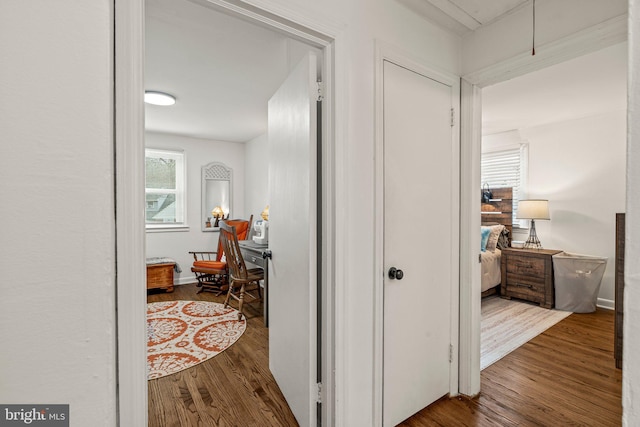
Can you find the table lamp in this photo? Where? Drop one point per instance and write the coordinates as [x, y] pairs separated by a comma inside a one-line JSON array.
[[533, 209], [217, 213]]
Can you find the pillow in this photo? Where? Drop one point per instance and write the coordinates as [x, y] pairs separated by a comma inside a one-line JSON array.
[[484, 237], [503, 239], [494, 234]]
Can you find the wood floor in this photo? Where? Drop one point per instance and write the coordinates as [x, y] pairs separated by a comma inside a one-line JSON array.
[[563, 377], [234, 388]]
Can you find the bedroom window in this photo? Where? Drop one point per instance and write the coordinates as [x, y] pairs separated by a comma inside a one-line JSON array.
[[164, 188], [507, 167]]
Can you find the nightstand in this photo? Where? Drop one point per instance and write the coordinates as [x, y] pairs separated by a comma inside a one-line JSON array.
[[528, 274]]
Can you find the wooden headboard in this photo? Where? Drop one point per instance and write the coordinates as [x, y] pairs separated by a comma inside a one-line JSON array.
[[499, 209]]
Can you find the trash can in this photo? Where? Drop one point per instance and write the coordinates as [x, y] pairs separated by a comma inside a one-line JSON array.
[[577, 281]]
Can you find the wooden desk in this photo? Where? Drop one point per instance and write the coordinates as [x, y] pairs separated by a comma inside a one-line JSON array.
[[258, 255]]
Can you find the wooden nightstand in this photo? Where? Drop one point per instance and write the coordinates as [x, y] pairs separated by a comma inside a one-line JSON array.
[[528, 274]]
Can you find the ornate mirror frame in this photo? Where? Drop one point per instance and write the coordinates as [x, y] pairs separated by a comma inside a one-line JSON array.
[[216, 191]]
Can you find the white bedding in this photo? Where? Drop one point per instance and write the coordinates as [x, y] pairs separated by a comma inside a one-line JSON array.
[[490, 265]]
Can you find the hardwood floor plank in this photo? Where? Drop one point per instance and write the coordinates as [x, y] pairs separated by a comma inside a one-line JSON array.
[[234, 388], [564, 377]]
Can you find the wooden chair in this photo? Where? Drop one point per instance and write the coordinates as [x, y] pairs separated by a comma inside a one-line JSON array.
[[243, 283], [210, 268]]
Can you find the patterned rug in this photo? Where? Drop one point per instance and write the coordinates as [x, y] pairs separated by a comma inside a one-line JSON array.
[[181, 334], [508, 324]]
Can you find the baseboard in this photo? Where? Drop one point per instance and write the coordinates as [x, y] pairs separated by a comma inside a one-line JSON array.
[[606, 304], [185, 280]]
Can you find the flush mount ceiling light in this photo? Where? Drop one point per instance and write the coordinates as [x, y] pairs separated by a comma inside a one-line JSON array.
[[158, 98]]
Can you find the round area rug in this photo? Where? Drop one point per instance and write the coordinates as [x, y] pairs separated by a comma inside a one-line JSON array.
[[181, 334]]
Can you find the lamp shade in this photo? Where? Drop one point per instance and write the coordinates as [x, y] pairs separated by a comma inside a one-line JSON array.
[[533, 209], [217, 212]]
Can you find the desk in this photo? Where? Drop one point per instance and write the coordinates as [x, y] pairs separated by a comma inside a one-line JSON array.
[[258, 255]]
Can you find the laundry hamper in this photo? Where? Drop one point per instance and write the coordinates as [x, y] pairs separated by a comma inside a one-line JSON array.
[[577, 281]]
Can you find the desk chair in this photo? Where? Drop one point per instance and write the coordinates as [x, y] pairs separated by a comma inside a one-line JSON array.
[[211, 268], [243, 283]]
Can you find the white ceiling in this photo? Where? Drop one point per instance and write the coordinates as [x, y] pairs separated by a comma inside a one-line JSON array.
[[463, 16], [475, 13], [222, 71], [582, 87]]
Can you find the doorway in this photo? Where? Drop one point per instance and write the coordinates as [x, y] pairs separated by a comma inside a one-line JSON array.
[[471, 142], [557, 119], [129, 42]]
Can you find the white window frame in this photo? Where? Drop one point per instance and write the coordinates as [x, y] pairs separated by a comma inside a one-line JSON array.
[[180, 191], [521, 192]]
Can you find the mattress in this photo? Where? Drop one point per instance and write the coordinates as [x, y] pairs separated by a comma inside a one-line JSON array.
[[490, 266]]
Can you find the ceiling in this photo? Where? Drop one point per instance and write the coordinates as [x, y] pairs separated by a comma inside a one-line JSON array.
[[463, 16], [582, 87], [223, 71], [475, 13]]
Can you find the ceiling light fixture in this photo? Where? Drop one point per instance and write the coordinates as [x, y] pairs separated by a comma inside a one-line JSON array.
[[158, 98]]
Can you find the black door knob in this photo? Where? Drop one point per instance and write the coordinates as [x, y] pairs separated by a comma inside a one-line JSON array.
[[395, 273]]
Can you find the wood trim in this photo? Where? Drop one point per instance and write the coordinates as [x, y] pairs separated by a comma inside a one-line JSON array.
[[619, 289], [129, 86], [388, 52], [470, 272], [130, 221], [589, 40]]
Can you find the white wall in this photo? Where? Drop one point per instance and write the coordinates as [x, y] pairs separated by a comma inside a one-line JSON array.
[[579, 166], [256, 192], [57, 310], [631, 346], [198, 152], [56, 111]]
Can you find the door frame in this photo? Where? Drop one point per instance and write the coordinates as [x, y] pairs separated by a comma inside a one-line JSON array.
[[387, 52], [131, 301], [589, 40]]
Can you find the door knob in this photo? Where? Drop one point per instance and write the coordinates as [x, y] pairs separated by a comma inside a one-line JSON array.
[[395, 273]]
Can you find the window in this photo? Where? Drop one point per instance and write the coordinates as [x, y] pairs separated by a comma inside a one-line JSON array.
[[507, 168], [164, 188]]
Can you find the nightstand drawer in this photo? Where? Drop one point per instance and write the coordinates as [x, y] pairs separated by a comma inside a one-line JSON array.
[[526, 281], [526, 266], [526, 291]]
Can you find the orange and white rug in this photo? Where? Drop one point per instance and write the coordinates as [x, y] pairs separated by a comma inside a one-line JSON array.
[[181, 334]]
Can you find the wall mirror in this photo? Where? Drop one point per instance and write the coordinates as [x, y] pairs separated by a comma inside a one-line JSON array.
[[216, 195]]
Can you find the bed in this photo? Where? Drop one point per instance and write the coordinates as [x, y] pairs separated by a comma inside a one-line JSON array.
[[496, 231]]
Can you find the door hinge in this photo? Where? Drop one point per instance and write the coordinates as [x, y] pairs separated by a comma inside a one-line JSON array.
[[450, 353], [319, 392], [320, 91], [453, 117]]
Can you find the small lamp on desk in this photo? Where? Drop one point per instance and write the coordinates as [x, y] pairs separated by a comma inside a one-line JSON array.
[[533, 209]]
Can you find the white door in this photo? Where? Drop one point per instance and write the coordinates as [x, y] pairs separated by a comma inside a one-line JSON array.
[[292, 239], [420, 213]]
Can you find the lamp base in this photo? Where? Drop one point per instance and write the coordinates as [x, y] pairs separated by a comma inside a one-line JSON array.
[[533, 242]]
